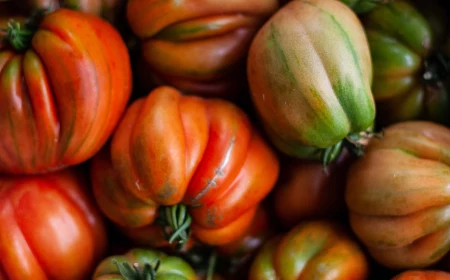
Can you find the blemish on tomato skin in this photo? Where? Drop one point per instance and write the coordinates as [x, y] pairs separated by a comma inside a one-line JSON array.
[[218, 172], [213, 217], [166, 192]]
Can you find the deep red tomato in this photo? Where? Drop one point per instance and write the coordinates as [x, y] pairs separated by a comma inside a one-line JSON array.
[[423, 275], [305, 191], [62, 96], [50, 228], [201, 154]]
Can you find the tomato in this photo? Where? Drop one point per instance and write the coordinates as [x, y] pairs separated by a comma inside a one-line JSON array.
[[398, 195], [198, 47], [51, 228], [167, 267], [109, 9], [305, 191], [61, 98], [310, 73], [261, 229], [311, 250], [194, 156], [422, 275], [408, 74]]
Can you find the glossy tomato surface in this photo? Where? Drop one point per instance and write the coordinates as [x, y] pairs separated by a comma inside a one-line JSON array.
[[61, 98], [51, 228]]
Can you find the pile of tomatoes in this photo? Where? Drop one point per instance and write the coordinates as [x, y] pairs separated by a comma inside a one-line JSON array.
[[237, 139]]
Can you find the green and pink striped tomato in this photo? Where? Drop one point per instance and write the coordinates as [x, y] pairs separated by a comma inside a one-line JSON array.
[[310, 73]]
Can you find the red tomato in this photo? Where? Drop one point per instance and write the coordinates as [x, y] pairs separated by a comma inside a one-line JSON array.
[[50, 228], [62, 96], [305, 191], [171, 149], [422, 275]]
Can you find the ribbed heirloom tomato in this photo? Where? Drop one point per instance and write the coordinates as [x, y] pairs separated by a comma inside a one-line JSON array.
[[398, 195], [311, 250], [144, 264], [197, 157], [409, 71], [198, 46], [305, 191], [62, 91], [310, 73], [50, 228]]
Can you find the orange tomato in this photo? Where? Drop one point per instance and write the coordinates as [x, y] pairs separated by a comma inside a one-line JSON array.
[[171, 149]]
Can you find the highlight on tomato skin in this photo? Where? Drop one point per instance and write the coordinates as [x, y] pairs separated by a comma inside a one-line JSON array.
[[51, 227], [64, 85], [175, 155]]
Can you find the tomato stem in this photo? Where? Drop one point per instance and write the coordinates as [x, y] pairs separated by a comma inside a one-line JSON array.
[[437, 68], [19, 35], [355, 142], [176, 223], [211, 266], [128, 272]]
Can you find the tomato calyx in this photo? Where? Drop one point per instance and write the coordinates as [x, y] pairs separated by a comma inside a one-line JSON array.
[[176, 223], [437, 68], [354, 142], [19, 35], [135, 272]]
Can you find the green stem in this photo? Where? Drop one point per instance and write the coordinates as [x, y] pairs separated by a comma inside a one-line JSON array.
[[176, 223], [128, 272], [354, 142], [19, 35], [211, 266]]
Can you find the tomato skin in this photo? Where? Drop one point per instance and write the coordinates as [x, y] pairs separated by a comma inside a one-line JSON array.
[[398, 196], [311, 250], [261, 229], [310, 73], [422, 275], [170, 149], [51, 228], [305, 191], [403, 36], [171, 267], [61, 99], [198, 47]]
